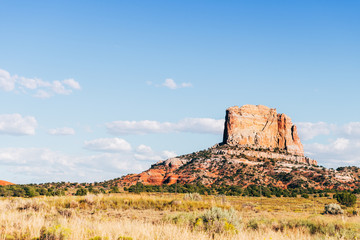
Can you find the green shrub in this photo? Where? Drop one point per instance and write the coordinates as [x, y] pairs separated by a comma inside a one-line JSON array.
[[9, 237], [124, 238], [304, 195], [81, 192], [114, 189], [346, 199], [99, 238], [54, 233]]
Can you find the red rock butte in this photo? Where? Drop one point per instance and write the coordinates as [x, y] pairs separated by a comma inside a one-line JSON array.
[[257, 140], [261, 127]]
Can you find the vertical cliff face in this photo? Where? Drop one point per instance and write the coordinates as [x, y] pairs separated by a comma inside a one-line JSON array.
[[261, 127]]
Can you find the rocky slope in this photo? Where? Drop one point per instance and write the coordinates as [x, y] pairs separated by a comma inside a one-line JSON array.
[[243, 166], [260, 146]]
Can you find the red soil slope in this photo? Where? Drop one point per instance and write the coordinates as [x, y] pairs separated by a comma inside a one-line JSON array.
[[4, 183]]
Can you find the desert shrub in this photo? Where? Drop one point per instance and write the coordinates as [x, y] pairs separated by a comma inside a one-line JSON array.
[[65, 212], [259, 223], [30, 205], [176, 202], [9, 237], [304, 195], [253, 224], [218, 220], [333, 209], [81, 192], [182, 219], [71, 204], [114, 189], [214, 220], [193, 197], [124, 238], [54, 233], [30, 191], [345, 198], [99, 238]]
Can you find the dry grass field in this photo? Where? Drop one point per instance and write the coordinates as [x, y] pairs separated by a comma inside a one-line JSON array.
[[168, 216]]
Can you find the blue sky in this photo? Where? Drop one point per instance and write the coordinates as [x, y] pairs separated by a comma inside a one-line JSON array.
[[94, 90]]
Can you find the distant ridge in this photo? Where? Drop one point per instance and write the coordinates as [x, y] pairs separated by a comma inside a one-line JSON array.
[[5, 183]]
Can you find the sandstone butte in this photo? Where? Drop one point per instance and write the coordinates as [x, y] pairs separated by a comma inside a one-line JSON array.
[[258, 145], [5, 183], [261, 127]]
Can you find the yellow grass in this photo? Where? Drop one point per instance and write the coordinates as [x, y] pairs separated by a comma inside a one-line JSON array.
[[146, 216]]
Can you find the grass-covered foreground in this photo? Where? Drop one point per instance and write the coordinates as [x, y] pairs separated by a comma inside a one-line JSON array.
[[173, 216]]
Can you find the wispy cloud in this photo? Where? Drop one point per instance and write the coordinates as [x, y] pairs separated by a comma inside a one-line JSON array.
[[15, 124], [171, 84], [119, 145], [35, 86], [61, 131], [193, 125], [108, 145], [308, 130]]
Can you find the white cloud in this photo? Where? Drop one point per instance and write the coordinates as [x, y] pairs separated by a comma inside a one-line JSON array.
[[144, 152], [193, 125], [168, 154], [42, 94], [308, 130], [341, 144], [338, 145], [334, 147], [144, 149], [108, 145], [31, 83], [59, 88], [338, 152], [141, 152], [15, 124], [7, 83], [185, 85], [61, 131], [171, 84], [35, 86], [72, 83], [352, 128], [45, 165]]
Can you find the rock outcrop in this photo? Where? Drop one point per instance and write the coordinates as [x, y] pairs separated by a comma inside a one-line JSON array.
[[261, 127]]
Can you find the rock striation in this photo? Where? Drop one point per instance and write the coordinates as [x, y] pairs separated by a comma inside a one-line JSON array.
[[261, 127]]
